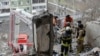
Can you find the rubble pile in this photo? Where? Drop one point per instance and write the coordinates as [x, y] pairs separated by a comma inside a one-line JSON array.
[[4, 49]]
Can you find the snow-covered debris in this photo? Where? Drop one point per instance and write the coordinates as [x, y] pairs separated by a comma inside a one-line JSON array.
[[4, 49], [89, 10], [94, 50]]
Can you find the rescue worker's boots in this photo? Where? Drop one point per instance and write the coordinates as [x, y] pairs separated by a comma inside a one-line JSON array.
[[63, 55], [79, 50], [66, 53], [71, 51]]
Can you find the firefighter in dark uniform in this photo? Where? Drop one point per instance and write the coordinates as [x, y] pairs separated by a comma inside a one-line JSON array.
[[69, 33], [66, 41]]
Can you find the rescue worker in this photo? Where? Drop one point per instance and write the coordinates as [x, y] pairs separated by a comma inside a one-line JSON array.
[[66, 41], [55, 20], [78, 26], [70, 33], [68, 19], [55, 24], [80, 39], [55, 28]]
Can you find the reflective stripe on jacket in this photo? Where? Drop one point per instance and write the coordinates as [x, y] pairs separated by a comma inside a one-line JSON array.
[[64, 41]]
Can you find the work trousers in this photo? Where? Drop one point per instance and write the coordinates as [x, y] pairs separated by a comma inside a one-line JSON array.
[[80, 46], [69, 43], [64, 50]]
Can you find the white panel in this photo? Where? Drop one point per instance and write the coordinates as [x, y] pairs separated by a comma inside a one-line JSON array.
[[93, 33]]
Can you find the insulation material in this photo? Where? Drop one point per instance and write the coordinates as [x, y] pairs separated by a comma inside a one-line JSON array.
[[93, 33], [44, 33], [4, 49], [43, 37]]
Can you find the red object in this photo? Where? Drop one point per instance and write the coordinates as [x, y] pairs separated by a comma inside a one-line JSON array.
[[23, 38], [67, 20]]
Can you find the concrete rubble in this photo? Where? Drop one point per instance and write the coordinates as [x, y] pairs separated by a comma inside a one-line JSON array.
[[4, 49]]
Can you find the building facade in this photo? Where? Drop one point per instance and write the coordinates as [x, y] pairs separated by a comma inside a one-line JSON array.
[[4, 6], [22, 4], [38, 5], [30, 6]]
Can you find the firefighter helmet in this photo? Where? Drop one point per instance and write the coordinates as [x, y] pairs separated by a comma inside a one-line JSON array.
[[68, 28]]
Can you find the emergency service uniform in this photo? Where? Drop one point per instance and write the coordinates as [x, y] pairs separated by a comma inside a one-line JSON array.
[[80, 40], [66, 41], [79, 23], [55, 29]]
